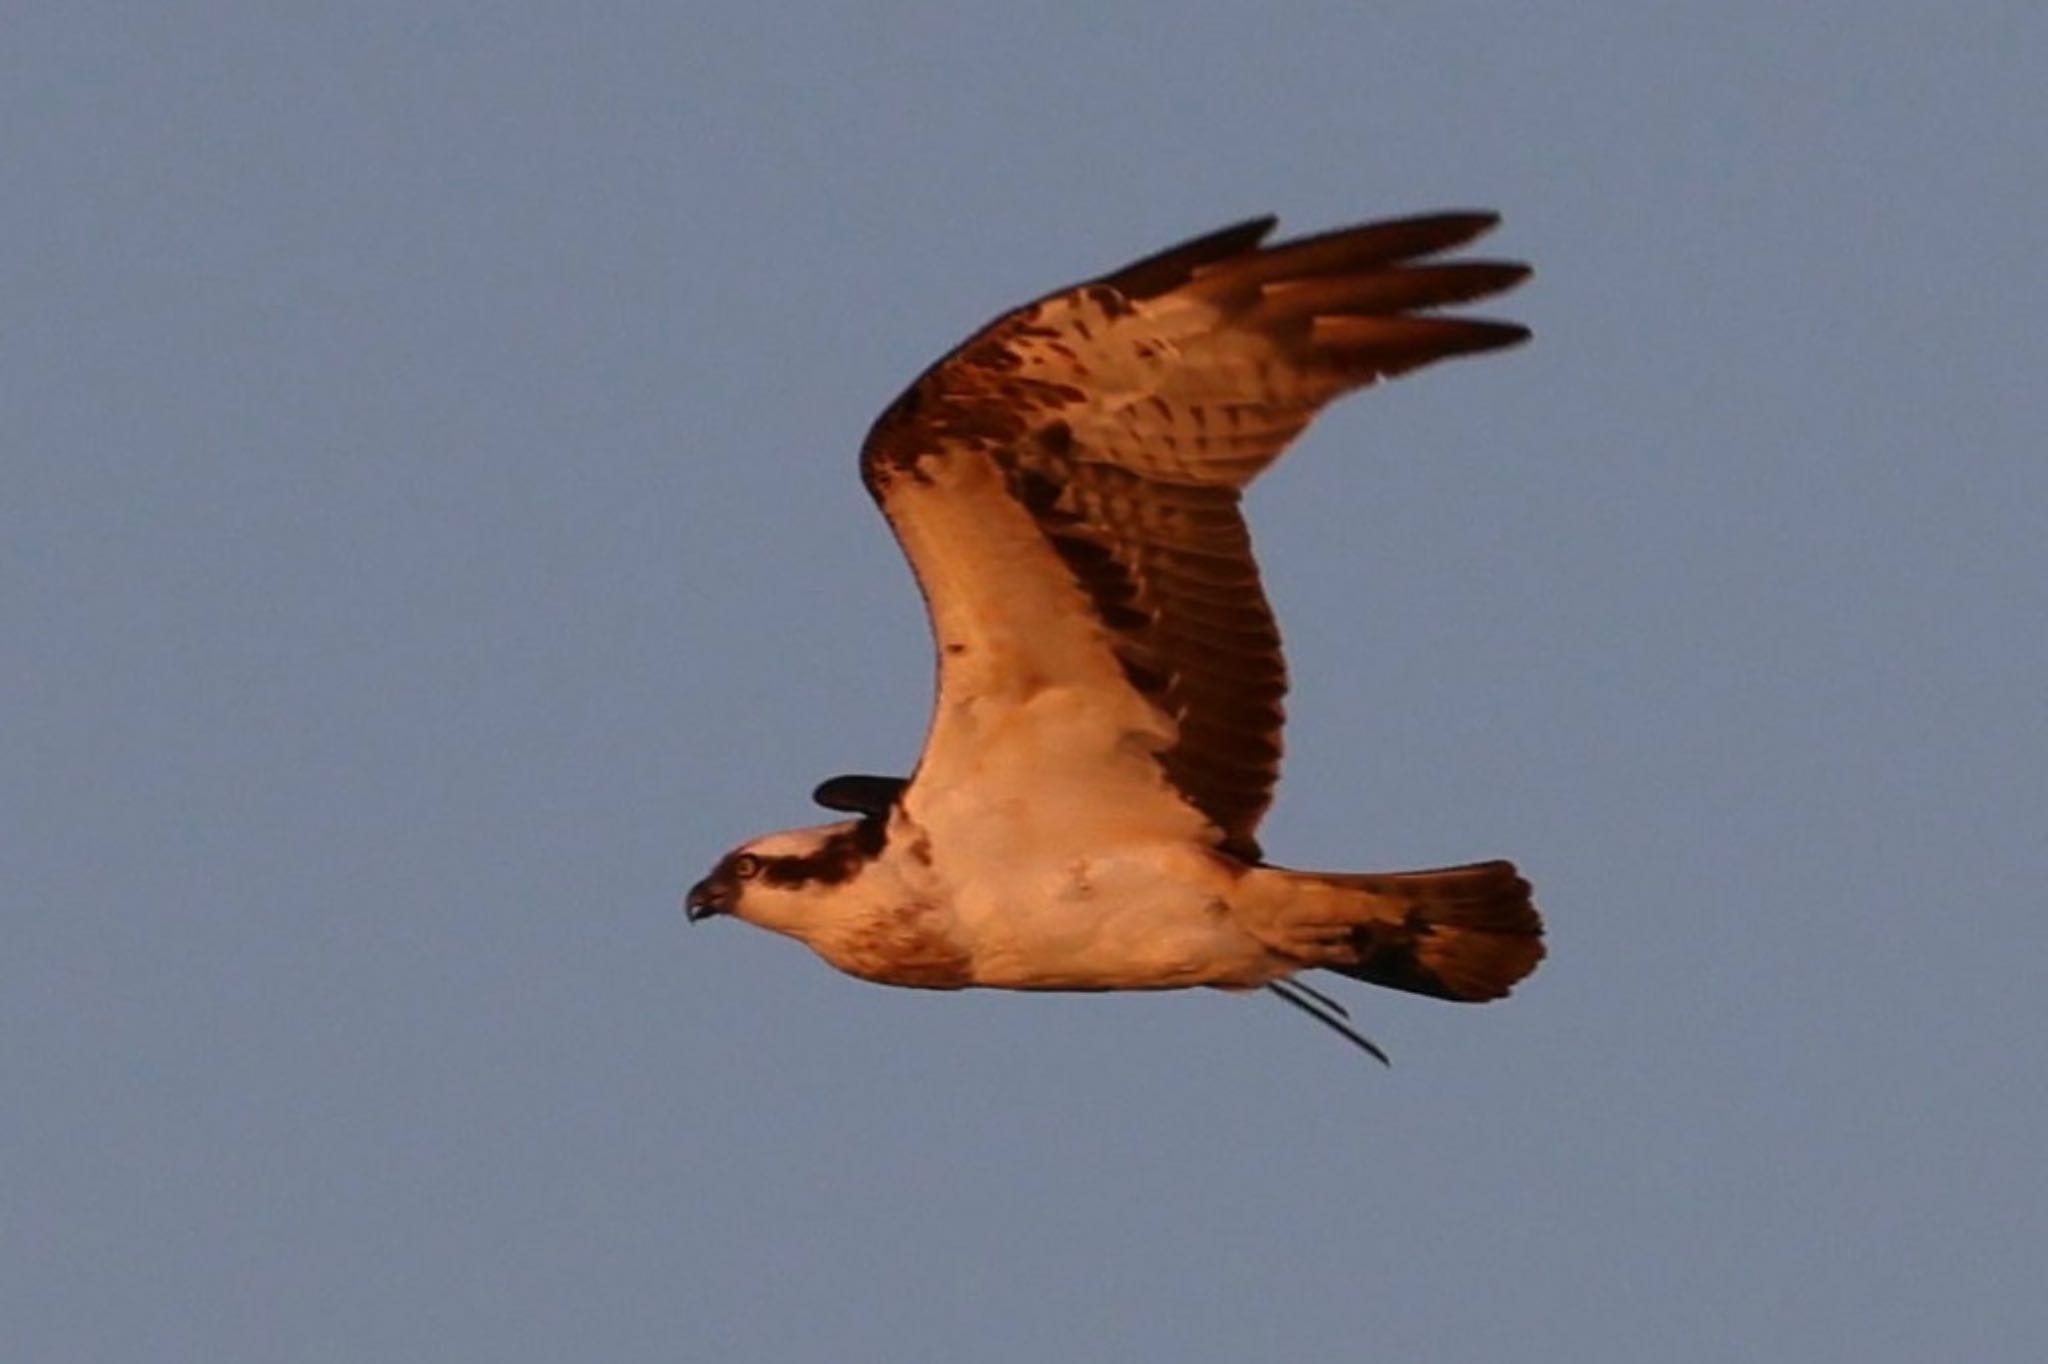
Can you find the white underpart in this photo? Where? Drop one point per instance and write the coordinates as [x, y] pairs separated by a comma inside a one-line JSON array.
[[1054, 877]]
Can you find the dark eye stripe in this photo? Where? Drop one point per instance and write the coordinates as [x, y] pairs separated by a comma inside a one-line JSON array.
[[838, 859]]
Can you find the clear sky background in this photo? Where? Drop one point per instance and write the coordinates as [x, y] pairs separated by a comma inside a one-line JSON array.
[[431, 535]]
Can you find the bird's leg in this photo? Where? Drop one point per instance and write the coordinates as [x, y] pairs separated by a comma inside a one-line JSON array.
[[1304, 998]]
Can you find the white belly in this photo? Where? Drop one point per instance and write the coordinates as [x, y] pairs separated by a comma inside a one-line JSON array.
[[1075, 876], [1133, 919]]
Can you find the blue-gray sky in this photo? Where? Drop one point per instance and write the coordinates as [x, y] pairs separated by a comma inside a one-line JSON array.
[[431, 535]]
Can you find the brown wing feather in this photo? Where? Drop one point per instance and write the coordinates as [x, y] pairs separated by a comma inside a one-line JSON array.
[[1126, 415]]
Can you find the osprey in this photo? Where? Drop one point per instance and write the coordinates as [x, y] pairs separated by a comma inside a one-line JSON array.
[[1106, 735]]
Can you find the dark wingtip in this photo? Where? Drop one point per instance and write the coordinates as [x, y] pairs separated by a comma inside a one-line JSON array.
[[1449, 227], [1487, 334], [1169, 269]]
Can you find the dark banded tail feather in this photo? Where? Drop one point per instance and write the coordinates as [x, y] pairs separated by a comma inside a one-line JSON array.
[[1462, 933], [1459, 933]]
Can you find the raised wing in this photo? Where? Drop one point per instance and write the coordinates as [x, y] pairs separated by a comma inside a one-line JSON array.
[[1066, 486]]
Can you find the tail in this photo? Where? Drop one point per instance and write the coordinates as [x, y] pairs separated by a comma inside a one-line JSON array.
[[1463, 933]]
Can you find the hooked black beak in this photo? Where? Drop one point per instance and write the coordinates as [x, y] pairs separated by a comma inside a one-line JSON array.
[[705, 899]]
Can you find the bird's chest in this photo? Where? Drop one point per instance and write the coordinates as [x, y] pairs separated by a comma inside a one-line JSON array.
[[908, 942], [893, 924], [1014, 904]]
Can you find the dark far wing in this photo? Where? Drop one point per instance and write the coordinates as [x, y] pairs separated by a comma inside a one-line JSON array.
[[859, 794]]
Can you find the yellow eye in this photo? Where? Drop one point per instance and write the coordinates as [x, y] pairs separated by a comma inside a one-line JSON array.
[[746, 866]]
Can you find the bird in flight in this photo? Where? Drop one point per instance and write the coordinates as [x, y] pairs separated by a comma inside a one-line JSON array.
[[1106, 734]]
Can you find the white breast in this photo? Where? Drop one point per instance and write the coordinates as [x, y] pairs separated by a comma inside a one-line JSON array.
[[1124, 919]]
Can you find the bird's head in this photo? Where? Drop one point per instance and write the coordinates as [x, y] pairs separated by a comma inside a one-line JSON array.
[[778, 880]]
